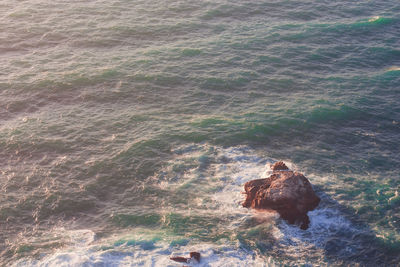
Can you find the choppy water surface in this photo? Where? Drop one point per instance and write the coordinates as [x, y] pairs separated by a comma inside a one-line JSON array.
[[127, 129]]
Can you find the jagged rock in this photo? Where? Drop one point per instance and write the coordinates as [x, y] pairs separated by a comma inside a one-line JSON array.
[[179, 259], [287, 192], [193, 255], [278, 166]]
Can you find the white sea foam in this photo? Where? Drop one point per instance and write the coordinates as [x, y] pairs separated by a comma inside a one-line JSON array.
[[375, 18], [211, 255], [393, 68], [227, 171], [242, 164]]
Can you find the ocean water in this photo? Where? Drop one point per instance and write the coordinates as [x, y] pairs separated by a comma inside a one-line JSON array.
[[128, 128]]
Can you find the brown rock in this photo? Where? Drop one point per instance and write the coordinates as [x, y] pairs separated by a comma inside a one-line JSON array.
[[288, 192], [279, 166], [180, 259], [195, 255]]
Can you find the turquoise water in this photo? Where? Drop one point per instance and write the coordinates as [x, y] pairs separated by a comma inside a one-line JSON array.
[[127, 129]]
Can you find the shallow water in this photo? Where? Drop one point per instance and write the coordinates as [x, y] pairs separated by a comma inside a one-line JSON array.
[[129, 127]]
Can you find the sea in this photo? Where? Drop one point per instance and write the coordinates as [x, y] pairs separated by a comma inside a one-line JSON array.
[[128, 128]]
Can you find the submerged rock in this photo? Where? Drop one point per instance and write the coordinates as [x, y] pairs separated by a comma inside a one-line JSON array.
[[287, 192]]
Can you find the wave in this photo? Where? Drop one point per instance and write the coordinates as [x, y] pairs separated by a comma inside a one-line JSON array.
[[246, 129], [200, 210]]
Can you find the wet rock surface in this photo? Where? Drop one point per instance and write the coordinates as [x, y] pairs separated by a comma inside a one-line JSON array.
[[285, 191], [192, 256]]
